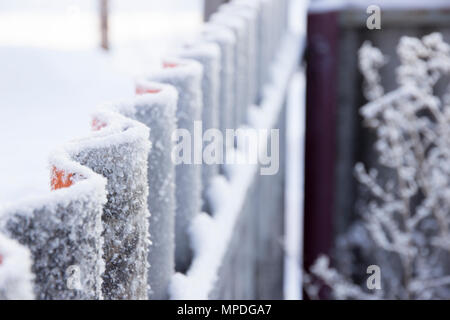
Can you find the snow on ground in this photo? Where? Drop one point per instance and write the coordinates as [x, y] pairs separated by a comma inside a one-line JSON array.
[[52, 74], [46, 99]]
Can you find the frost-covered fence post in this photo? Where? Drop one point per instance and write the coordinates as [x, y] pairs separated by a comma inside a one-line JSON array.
[[119, 151], [277, 21], [186, 77], [266, 39], [272, 27], [156, 109], [208, 55], [269, 221], [226, 40], [286, 19], [62, 230], [238, 26], [16, 279], [258, 38], [250, 17]]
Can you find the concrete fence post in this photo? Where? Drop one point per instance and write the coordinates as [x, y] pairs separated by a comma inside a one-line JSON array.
[[255, 7], [250, 18], [156, 108], [186, 76], [226, 40], [238, 26], [266, 38], [208, 55], [119, 151]]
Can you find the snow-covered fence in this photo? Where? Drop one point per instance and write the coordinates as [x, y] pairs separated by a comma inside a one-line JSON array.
[[90, 237], [63, 230], [250, 267], [237, 250]]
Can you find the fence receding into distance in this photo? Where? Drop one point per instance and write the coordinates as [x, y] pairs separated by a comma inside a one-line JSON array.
[[125, 222]]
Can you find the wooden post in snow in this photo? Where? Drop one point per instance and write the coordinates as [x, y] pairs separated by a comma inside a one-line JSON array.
[[104, 10]]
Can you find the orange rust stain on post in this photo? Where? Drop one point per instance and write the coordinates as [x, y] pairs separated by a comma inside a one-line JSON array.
[[1, 259], [97, 124], [140, 90], [60, 179], [169, 65]]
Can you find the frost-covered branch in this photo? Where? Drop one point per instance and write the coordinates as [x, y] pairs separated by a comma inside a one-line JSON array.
[[371, 59]]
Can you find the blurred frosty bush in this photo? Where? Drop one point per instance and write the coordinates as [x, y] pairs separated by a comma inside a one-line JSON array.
[[405, 226]]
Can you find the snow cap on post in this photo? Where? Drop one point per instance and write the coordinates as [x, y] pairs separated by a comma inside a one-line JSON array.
[[16, 279], [186, 76], [156, 108], [208, 54], [119, 152]]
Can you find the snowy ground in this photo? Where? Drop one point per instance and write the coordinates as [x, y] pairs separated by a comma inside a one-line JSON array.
[[46, 99], [53, 75]]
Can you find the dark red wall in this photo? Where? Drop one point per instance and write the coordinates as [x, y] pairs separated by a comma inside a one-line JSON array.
[[320, 134]]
